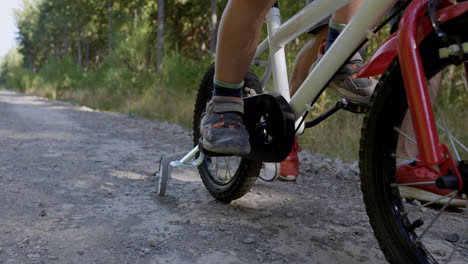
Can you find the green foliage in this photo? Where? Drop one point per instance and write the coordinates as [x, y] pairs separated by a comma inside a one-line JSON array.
[[10, 64], [102, 53], [113, 86], [181, 74]]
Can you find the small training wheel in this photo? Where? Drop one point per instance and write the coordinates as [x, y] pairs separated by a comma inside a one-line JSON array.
[[270, 171], [162, 176]]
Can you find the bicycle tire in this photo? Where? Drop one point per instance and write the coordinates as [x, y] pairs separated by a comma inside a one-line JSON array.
[[388, 106], [163, 176], [247, 171]]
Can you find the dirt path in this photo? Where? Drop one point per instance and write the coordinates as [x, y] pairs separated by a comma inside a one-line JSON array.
[[77, 186]]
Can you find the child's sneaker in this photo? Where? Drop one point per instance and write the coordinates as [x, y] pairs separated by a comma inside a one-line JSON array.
[[416, 172], [349, 86], [290, 166], [222, 126], [345, 81]]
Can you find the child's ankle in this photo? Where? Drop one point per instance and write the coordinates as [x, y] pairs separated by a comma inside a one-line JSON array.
[[334, 30], [221, 88]]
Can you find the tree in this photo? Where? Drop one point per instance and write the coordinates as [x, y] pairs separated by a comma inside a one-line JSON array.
[[160, 36], [214, 25], [109, 25]]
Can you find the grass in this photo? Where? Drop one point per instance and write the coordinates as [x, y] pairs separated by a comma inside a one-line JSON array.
[[113, 87], [338, 136]]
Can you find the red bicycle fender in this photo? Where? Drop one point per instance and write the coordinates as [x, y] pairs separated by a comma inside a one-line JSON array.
[[389, 49]]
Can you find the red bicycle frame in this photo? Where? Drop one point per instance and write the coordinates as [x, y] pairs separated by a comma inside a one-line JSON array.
[[414, 27]]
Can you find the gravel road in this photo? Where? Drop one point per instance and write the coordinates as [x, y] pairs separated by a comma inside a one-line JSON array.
[[78, 186]]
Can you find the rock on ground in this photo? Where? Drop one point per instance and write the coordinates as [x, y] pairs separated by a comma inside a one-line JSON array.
[[77, 186]]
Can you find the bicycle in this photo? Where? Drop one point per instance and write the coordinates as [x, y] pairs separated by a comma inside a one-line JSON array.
[[423, 46]]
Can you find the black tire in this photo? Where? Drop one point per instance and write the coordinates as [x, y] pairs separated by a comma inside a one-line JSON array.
[[246, 171], [384, 205]]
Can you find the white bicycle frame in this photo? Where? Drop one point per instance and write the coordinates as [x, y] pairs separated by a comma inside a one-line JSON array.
[[360, 27]]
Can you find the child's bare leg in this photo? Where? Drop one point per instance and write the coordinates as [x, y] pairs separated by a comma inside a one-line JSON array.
[[239, 33]]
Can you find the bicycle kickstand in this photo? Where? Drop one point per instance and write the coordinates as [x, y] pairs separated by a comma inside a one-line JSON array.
[[165, 168]]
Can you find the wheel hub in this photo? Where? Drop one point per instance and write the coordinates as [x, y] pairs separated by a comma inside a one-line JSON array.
[[450, 181]]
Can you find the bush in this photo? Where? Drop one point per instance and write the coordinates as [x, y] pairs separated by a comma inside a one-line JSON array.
[[9, 67]]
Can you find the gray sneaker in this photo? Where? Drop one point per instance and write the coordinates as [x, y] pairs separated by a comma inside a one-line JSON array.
[[222, 126], [346, 83]]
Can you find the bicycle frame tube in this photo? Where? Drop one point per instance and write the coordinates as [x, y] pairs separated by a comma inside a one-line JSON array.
[[355, 32], [277, 59], [382, 58], [430, 149], [280, 35], [415, 83]]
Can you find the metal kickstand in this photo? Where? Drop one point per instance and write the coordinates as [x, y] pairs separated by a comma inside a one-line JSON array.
[[165, 168]]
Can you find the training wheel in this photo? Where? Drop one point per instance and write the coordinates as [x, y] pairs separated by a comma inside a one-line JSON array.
[[270, 171], [162, 176]]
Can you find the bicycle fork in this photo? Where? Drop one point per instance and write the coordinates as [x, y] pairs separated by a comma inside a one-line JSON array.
[[432, 152]]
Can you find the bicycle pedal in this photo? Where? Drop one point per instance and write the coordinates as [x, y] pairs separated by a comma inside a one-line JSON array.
[[356, 108]]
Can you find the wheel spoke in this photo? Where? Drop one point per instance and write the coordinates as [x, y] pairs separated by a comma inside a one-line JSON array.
[[403, 157], [452, 196], [445, 127], [228, 171], [465, 232], [464, 81], [426, 204], [454, 138], [447, 131], [223, 169], [404, 134], [412, 183]]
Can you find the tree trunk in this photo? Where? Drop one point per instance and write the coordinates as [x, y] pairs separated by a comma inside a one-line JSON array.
[[57, 49], [160, 37], [214, 25], [109, 15], [79, 50], [97, 59], [30, 62], [203, 44], [87, 50], [67, 43], [135, 24]]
